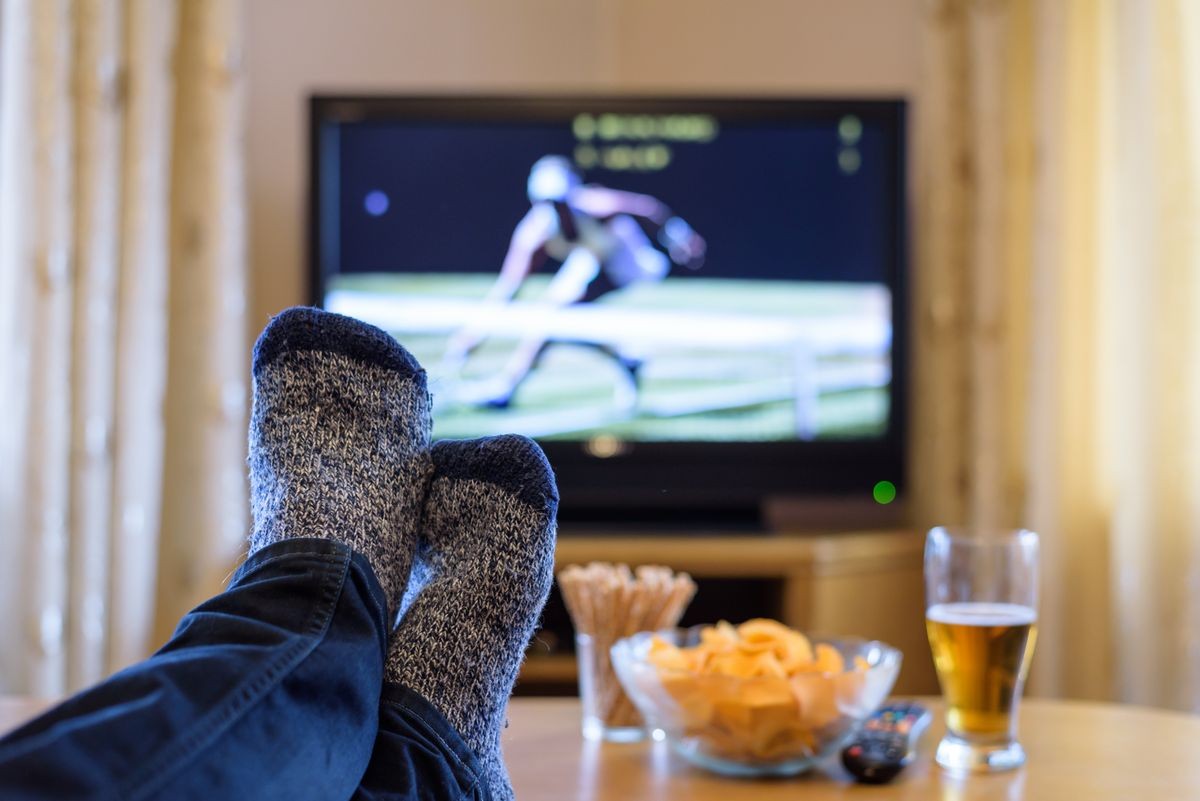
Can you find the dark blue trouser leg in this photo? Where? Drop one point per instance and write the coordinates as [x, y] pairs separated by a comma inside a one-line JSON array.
[[269, 690], [418, 755]]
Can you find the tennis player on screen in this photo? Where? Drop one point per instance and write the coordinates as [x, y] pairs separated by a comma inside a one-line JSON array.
[[601, 237]]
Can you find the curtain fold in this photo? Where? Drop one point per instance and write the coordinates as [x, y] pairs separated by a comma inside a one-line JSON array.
[[1061, 232], [120, 238], [204, 499], [140, 374]]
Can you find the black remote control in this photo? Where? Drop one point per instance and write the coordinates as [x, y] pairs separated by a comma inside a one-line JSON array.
[[886, 742]]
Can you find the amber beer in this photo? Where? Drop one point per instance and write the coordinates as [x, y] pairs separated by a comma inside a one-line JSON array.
[[982, 653]]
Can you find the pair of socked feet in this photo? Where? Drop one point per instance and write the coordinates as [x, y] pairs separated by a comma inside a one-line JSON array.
[[460, 534]]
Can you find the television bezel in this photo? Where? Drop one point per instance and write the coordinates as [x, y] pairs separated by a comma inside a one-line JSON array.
[[714, 482]]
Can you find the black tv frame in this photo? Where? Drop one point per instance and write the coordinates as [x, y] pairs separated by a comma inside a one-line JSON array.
[[716, 485]]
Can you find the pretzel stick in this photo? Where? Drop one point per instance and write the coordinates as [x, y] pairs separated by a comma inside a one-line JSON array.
[[682, 591]]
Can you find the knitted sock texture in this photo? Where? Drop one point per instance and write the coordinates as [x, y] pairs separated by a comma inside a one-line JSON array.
[[484, 569], [339, 437]]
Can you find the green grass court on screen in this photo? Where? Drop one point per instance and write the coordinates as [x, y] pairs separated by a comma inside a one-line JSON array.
[[570, 393]]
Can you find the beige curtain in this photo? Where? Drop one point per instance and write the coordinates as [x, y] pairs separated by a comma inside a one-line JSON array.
[[1058, 307], [122, 365]]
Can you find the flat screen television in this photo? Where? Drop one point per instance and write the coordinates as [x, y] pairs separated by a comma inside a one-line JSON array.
[[696, 305]]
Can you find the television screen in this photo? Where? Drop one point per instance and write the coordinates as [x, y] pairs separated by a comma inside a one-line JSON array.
[[615, 272]]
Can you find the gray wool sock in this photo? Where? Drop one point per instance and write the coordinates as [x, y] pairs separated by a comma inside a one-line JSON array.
[[485, 565], [339, 438]]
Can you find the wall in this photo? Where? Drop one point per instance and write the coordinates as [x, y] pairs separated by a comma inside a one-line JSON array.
[[296, 47]]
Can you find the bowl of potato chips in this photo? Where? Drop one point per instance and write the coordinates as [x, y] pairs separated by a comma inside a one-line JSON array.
[[756, 699]]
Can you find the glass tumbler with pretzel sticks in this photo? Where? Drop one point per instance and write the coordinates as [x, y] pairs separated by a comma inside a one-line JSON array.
[[607, 603]]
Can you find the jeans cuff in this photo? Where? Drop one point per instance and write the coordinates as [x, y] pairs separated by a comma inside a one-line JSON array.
[[423, 715]]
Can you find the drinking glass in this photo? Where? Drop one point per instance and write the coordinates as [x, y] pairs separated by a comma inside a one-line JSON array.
[[607, 713], [981, 617]]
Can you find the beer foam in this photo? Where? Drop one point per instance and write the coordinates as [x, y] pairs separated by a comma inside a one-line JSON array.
[[982, 614]]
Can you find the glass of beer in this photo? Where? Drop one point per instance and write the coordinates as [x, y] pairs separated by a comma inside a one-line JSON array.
[[981, 616]]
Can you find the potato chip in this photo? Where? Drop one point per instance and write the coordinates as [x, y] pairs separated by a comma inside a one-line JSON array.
[[665, 656], [816, 694], [720, 637], [753, 647], [762, 629], [767, 692], [794, 651], [829, 659], [696, 706], [744, 665]]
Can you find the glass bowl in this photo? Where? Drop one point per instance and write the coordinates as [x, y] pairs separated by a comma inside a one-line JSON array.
[[761, 726]]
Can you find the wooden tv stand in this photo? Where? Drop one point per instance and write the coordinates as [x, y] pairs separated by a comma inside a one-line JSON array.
[[865, 583]]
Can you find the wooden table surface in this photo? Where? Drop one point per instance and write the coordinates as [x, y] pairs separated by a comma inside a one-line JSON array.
[[1077, 752]]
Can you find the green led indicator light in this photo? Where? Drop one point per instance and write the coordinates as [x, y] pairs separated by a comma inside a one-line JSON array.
[[884, 492]]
